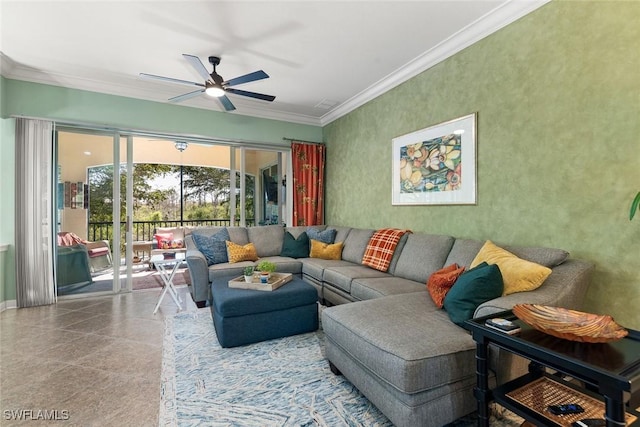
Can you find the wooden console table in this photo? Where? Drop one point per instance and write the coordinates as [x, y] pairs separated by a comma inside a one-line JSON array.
[[608, 372]]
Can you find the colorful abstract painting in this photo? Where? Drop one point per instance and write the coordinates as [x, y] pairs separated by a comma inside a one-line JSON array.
[[436, 165]]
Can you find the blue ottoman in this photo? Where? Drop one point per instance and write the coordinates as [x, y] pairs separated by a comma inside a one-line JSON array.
[[245, 316]]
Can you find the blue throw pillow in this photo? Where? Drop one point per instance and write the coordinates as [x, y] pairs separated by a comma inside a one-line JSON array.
[[213, 247], [325, 236], [474, 287], [295, 248]]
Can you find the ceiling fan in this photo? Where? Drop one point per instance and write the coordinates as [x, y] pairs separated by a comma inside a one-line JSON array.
[[214, 85]]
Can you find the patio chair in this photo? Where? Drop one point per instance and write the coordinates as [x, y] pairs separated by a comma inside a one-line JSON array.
[[98, 253]]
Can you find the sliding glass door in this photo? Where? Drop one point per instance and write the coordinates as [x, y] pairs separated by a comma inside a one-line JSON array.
[[116, 189], [89, 212]]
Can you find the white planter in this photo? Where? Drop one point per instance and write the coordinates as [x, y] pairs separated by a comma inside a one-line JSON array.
[[248, 279]]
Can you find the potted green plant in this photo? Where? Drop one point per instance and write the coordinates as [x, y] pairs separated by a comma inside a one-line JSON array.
[[266, 268], [635, 206], [248, 274]]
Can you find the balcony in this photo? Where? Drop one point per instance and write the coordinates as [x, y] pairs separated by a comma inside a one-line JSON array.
[[143, 230]]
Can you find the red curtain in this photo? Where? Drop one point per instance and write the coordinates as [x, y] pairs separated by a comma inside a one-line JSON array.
[[308, 183]]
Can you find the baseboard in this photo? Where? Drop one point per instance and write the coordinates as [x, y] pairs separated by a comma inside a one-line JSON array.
[[4, 305]]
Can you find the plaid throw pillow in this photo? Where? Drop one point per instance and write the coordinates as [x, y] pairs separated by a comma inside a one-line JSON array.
[[381, 247]]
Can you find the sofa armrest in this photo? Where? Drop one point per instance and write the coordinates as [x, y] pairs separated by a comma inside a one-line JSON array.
[[199, 273], [565, 287]]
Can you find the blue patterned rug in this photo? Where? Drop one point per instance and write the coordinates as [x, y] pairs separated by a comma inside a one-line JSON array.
[[283, 382]]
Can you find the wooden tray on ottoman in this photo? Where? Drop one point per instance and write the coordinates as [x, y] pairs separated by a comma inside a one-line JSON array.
[[275, 281]]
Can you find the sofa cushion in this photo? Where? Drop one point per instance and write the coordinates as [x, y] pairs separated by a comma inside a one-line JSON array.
[[355, 244], [519, 275], [285, 264], [441, 281], [267, 239], [212, 246], [341, 233], [548, 257], [236, 234], [396, 253], [422, 255], [341, 277], [382, 247], [364, 288], [298, 230], [465, 250], [225, 269], [476, 286], [420, 350], [295, 247], [325, 236], [325, 251], [315, 267], [237, 253]]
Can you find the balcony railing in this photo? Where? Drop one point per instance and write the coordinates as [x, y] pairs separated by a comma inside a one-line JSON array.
[[143, 230]]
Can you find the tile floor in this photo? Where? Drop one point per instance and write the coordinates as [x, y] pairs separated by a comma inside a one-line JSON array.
[[97, 358]]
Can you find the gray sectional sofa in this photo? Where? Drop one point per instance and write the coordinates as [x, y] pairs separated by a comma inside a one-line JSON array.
[[383, 331]]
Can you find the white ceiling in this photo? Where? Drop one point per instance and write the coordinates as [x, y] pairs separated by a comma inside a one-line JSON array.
[[324, 58]]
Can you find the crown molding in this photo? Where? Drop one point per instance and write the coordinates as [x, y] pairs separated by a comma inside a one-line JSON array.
[[488, 24], [491, 22], [12, 70]]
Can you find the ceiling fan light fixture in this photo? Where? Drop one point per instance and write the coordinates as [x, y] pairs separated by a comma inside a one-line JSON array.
[[214, 90], [181, 146]]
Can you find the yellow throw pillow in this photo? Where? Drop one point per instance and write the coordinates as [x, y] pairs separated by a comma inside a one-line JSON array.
[[237, 253], [519, 275], [325, 250]]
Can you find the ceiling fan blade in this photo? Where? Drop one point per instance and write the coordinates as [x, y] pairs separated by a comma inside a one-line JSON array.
[[251, 77], [186, 96], [226, 103], [169, 79], [251, 94], [198, 65]]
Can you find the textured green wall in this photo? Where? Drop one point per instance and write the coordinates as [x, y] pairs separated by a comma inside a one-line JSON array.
[[558, 101], [58, 103]]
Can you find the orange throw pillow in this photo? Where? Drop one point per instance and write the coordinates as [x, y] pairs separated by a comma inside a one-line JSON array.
[[441, 281]]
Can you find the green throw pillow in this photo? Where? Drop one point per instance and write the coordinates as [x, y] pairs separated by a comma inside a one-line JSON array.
[[295, 248], [474, 287]]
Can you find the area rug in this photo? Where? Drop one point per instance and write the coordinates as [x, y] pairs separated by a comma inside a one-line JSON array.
[[282, 382]]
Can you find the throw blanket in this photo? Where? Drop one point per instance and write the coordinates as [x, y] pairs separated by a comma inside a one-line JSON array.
[[67, 238], [381, 247]]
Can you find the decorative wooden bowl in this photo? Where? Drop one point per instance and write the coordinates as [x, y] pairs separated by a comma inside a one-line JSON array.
[[570, 324]]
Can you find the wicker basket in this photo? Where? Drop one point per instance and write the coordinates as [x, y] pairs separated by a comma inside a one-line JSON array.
[[541, 393]]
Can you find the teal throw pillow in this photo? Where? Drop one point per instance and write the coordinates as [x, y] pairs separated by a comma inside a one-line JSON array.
[[295, 248], [213, 247], [327, 236], [474, 287]]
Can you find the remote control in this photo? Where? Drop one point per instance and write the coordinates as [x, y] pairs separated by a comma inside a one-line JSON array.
[[502, 325], [569, 408], [589, 422]]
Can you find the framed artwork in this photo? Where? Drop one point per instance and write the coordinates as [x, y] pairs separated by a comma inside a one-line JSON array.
[[436, 165]]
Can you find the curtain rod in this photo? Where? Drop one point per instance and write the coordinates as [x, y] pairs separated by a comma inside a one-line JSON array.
[[301, 140]]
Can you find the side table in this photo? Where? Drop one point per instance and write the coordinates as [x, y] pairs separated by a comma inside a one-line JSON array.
[[608, 372], [167, 268], [144, 247]]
